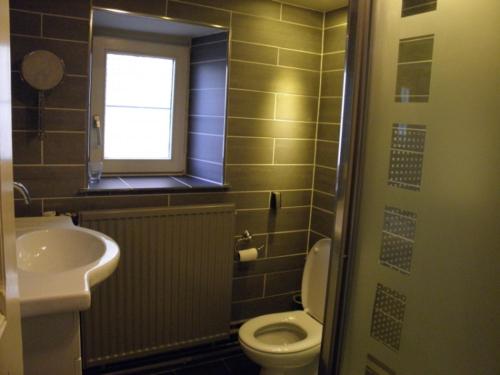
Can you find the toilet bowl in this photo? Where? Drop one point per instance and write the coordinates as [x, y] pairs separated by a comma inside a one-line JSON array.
[[288, 343]]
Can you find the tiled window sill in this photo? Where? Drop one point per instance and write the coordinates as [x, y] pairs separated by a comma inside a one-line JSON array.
[[147, 184]]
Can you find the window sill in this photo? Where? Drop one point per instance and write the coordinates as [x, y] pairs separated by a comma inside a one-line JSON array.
[[150, 184]]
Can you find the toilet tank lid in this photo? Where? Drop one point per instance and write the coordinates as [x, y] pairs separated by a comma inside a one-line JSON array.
[[314, 280]]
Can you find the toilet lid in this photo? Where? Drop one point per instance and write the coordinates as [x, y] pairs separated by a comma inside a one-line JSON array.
[[315, 278]]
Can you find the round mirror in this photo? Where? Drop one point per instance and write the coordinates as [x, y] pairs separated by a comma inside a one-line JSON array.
[[42, 70]]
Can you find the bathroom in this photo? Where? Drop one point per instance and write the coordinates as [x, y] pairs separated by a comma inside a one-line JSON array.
[[265, 166]]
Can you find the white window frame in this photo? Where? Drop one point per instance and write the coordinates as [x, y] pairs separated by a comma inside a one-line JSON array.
[[180, 54]]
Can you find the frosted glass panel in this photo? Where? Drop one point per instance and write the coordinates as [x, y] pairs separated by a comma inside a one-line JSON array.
[[138, 107], [137, 133], [424, 295], [138, 81]]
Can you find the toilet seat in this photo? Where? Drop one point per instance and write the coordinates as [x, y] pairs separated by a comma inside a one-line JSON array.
[[295, 319]]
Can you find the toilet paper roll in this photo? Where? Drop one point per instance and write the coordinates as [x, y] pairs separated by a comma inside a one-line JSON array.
[[248, 255]]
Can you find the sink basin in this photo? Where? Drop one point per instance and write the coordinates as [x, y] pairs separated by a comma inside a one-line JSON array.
[[59, 262], [58, 250]]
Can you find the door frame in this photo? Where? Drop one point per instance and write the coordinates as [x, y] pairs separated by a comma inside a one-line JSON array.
[[348, 184], [11, 358]]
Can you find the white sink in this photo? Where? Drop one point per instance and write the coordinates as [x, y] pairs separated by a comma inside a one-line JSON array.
[[49, 250], [58, 264]]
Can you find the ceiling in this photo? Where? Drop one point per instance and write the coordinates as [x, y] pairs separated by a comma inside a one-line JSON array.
[[320, 5]]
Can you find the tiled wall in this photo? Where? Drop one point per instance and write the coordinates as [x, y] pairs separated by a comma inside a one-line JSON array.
[[273, 103], [207, 107], [54, 167], [329, 124]]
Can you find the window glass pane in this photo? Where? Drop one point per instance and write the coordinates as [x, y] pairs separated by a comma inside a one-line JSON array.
[[138, 102], [139, 81], [137, 133]]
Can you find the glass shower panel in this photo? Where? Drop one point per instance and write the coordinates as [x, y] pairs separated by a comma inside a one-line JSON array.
[[425, 291]]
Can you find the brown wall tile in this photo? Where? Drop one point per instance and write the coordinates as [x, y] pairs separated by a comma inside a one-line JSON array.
[[327, 153], [253, 308], [335, 17], [74, 55], [270, 128], [249, 150], [273, 79], [71, 93], [251, 104], [195, 13], [275, 33], [65, 28], [209, 52], [64, 148], [261, 266], [283, 282], [330, 109], [287, 243], [33, 209], [262, 221], [271, 177], [254, 7], [334, 61], [299, 59], [302, 16], [332, 83], [248, 287], [25, 23], [241, 200], [324, 179], [324, 201], [156, 7], [51, 181], [296, 108], [335, 39], [75, 8], [84, 203], [295, 198], [26, 148], [328, 132], [290, 151], [53, 119], [322, 222], [253, 52], [22, 93]]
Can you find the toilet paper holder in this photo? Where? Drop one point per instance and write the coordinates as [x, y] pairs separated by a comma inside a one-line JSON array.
[[246, 236]]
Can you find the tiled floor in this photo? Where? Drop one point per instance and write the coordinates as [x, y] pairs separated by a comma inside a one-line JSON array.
[[238, 365], [233, 365]]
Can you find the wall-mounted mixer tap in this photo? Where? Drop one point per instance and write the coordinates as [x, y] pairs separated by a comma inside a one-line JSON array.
[[21, 189]]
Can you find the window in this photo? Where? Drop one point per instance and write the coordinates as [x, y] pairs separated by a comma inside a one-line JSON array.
[[139, 106]]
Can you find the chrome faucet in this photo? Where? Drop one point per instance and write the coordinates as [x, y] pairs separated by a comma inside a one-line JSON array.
[[23, 191]]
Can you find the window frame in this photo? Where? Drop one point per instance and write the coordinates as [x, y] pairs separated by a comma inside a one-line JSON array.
[[101, 45]]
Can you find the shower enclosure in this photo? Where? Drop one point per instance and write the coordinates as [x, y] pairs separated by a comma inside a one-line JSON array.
[[417, 217]]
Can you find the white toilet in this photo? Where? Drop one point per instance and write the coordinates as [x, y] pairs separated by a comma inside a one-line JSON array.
[[289, 343]]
